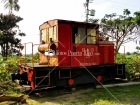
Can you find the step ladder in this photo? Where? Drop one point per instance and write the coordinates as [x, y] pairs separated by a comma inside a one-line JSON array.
[[41, 81], [120, 69]]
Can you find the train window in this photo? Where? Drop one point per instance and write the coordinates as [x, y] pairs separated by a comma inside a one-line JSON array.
[[82, 34], [43, 35], [78, 35], [50, 36], [91, 36], [74, 32], [40, 35], [52, 33]]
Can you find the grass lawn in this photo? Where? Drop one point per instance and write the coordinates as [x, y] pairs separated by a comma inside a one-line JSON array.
[[121, 95], [126, 95]]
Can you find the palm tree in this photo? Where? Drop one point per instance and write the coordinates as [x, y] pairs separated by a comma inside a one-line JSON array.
[[126, 12], [137, 13], [11, 5]]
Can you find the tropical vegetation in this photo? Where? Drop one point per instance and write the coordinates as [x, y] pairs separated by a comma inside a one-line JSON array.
[[120, 29], [11, 5]]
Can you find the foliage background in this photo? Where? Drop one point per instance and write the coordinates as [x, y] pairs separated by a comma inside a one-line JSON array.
[[11, 66], [132, 65]]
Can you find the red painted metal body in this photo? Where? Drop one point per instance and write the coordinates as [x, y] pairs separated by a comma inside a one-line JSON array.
[[84, 54], [70, 54], [64, 45], [106, 50]]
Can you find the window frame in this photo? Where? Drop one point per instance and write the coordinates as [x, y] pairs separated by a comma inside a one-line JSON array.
[[86, 35]]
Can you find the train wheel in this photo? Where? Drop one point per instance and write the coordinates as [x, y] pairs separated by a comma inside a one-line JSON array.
[[73, 89], [71, 84]]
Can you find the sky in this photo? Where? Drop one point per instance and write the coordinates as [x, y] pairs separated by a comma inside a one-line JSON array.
[[36, 12]]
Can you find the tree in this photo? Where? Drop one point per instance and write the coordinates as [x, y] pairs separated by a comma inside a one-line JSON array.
[[120, 28], [11, 4], [9, 30], [126, 12]]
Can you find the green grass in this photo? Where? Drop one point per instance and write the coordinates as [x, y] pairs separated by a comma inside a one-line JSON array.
[[128, 95]]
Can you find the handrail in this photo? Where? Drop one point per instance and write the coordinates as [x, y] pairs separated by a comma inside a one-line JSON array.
[[25, 52], [32, 52], [123, 51]]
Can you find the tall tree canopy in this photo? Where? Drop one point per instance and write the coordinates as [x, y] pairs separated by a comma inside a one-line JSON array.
[[11, 5], [9, 30], [120, 28]]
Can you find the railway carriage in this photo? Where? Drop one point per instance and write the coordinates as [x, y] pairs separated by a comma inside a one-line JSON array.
[[70, 53]]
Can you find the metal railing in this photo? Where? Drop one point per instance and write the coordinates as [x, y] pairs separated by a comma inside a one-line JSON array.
[[32, 45]]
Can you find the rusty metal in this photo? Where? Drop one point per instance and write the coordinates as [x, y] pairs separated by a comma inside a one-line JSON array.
[[43, 47]]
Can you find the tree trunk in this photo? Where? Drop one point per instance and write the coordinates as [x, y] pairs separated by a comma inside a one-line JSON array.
[[3, 52], [13, 98]]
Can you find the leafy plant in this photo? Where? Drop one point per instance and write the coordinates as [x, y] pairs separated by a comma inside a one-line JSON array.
[[132, 65], [11, 66], [6, 69]]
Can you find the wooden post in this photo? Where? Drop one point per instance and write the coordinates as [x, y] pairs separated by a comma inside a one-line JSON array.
[[13, 98]]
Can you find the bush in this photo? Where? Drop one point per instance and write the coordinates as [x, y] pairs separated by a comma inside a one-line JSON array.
[[6, 69], [11, 66], [132, 66]]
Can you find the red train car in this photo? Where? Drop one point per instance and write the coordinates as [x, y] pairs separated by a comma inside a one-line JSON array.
[[70, 53]]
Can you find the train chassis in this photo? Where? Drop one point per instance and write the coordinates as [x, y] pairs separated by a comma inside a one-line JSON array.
[[41, 76]]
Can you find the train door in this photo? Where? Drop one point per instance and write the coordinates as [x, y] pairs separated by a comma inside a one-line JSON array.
[[78, 44], [83, 47], [64, 43]]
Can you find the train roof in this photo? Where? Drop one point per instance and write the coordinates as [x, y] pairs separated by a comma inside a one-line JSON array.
[[57, 21]]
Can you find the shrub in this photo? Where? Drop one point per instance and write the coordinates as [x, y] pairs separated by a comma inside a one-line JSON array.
[[132, 66], [11, 66], [6, 69]]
